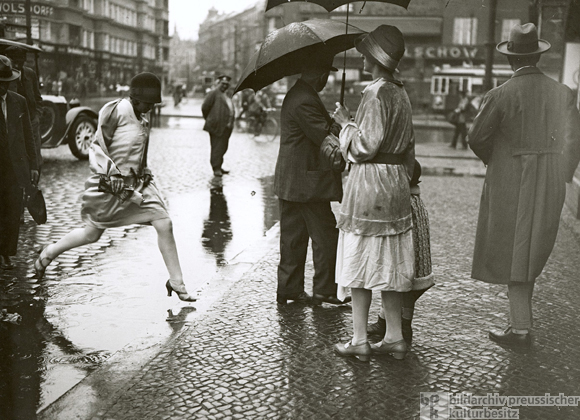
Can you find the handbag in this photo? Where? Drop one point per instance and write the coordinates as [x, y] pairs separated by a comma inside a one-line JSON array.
[[330, 152], [36, 205]]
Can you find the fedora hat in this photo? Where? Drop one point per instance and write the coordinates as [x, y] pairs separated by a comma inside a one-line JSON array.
[[523, 40], [320, 58], [385, 45], [7, 73]]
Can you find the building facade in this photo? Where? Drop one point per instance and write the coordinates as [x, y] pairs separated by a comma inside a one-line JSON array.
[[95, 44]]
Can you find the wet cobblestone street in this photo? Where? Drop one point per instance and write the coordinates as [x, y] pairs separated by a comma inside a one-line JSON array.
[[101, 320]]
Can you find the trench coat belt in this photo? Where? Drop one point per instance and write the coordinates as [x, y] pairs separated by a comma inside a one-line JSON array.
[[520, 152], [388, 158]]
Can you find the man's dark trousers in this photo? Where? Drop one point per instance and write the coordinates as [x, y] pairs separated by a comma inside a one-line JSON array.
[[11, 201], [298, 222], [219, 147]]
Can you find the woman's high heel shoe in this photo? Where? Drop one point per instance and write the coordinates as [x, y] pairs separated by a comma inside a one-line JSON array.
[[39, 265], [178, 287], [398, 349], [362, 351]]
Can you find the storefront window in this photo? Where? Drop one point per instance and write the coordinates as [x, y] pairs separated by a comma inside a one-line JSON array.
[[506, 27], [465, 31]]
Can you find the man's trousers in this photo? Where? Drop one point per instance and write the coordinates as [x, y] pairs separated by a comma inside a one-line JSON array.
[[298, 223], [219, 147]]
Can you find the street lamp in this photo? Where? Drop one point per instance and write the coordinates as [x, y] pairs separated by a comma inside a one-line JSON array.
[[490, 46]]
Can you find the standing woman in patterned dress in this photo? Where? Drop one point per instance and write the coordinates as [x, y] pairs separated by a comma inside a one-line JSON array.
[[375, 247], [118, 158]]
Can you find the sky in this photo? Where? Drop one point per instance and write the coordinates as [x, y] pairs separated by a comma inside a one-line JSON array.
[[186, 15]]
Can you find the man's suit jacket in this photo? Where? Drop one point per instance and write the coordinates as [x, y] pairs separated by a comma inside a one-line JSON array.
[[20, 139], [301, 175], [31, 90], [219, 118]]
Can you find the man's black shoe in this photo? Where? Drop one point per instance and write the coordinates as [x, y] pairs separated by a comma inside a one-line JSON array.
[[510, 339], [318, 299], [296, 297], [5, 263]]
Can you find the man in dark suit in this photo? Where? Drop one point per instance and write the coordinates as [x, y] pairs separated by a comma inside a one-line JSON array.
[[18, 161], [28, 87], [219, 114], [305, 186]]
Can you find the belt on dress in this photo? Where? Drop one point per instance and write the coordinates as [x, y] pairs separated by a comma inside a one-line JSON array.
[[388, 158]]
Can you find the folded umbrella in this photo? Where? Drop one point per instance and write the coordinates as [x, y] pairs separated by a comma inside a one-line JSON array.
[[285, 50]]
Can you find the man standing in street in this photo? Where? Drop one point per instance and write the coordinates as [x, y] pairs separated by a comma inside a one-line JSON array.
[[219, 114], [305, 186], [18, 163], [527, 132], [28, 87]]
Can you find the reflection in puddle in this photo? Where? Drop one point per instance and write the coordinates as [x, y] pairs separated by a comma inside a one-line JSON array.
[[217, 228]]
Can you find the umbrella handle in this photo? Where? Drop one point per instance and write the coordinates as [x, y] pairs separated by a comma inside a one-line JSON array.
[[342, 87]]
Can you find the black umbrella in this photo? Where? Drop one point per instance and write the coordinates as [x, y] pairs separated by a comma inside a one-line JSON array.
[[330, 5], [285, 50]]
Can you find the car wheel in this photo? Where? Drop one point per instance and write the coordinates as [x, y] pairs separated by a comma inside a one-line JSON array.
[[48, 118], [81, 136]]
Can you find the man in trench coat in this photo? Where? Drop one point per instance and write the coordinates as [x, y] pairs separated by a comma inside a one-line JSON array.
[[306, 185], [218, 111], [527, 132]]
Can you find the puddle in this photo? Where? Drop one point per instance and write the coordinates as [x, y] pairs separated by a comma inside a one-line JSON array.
[[90, 307]]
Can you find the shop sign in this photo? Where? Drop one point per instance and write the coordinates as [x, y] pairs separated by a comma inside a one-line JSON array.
[[19, 8], [77, 51], [446, 52]]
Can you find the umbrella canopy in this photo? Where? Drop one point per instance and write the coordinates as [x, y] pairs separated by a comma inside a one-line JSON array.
[[5, 43], [333, 4], [284, 50]]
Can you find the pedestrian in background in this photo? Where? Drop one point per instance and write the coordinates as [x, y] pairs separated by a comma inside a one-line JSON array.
[[460, 118], [18, 161], [27, 86], [218, 111], [305, 186], [527, 132], [118, 156], [424, 277], [375, 247]]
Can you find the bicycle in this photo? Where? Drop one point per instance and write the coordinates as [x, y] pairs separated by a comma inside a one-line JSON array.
[[267, 128]]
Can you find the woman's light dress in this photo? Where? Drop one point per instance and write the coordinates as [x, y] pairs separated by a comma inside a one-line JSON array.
[[375, 248], [120, 148]]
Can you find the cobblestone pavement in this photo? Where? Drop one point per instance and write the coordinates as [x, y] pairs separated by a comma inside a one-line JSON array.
[[249, 359]]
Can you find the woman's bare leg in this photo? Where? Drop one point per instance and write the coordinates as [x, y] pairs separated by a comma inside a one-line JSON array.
[[361, 302], [73, 239], [392, 310], [168, 247]]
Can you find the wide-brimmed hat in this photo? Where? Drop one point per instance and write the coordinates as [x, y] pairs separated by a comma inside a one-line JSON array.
[[523, 40], [7, 73], [385, 45], [146, 87]]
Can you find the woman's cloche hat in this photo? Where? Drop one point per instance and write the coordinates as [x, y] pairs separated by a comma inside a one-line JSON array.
[[7, 73], [523, 40], [146, 87], [385, 45]]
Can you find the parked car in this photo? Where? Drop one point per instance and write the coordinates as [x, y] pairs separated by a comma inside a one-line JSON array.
[[62, 122], [72, 124]]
